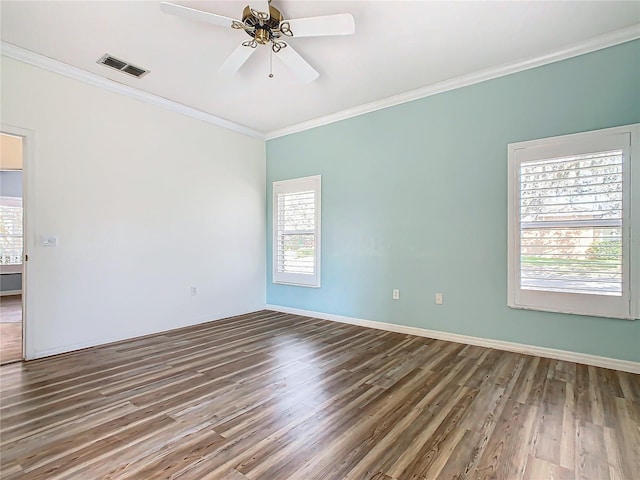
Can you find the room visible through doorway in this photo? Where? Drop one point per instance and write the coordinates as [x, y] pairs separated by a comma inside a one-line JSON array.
[[11, 248]]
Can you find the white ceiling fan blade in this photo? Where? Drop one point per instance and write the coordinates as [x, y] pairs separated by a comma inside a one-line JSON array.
[[238, 58], [340, 24], [299, 65], [197, 15], [262, 7]]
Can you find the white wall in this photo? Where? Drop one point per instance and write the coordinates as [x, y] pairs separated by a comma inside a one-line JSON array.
[[145, 203]]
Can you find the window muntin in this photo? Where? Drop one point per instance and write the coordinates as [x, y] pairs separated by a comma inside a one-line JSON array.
[[296, 239]]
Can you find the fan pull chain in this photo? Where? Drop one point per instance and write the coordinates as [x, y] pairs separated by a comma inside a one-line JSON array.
[[270, 63]]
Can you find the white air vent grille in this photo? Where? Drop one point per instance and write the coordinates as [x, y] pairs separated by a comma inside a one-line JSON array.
[[123, 66]]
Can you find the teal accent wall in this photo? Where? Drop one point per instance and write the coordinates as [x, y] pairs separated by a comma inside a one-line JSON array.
[[414, 197]]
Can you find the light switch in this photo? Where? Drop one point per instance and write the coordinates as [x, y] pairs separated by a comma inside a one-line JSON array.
[[49, 241]]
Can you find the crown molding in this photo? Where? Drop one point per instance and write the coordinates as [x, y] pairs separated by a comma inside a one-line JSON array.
[[32, 58], [596, 43]]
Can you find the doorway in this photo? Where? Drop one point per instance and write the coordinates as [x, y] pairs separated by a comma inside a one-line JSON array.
[[11, 248]]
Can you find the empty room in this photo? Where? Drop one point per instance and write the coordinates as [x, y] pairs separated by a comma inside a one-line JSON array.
[[320, 240]]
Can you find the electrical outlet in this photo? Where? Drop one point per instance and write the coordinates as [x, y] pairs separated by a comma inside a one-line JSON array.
[[396, 294], [194, 291], [438, 298]]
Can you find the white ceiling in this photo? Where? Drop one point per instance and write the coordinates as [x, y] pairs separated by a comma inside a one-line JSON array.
[[399, 46]]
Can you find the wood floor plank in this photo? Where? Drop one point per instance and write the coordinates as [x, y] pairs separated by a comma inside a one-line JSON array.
[[591, 458], [618, 465], [434, 453], [539, 469], [595, 398], [139, 452], [380, 417], [10, 342], [506, 453], [337, 437], [524, 382], [399, 435], [567, 442], [431, 426], [627, 433], [273, 396], [10, 329], [629, 385], [47, 439], [548, 438]]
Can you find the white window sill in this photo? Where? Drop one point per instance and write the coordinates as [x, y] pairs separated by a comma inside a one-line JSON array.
[[571, 312], [294, 284]]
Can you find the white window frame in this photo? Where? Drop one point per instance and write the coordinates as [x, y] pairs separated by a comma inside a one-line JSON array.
[[626, 306], [290, 186]]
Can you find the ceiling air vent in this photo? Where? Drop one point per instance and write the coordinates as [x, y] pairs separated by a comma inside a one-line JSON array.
[[123, 66]]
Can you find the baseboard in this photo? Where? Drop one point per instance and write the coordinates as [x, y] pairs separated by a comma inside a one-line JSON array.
[[103, 342], [587, 359], [6, 293]]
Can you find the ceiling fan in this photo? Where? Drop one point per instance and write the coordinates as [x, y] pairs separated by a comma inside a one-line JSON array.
[[265, 24]]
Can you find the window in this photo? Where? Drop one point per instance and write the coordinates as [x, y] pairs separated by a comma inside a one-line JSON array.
[[296, 231], [10, 231], [570, 246]]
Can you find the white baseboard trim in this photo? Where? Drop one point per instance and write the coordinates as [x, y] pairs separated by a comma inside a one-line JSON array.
[[49, 352], [6, 293], [587, 359]]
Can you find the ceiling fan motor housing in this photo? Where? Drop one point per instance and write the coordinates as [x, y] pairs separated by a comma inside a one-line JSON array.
[[263, 29]]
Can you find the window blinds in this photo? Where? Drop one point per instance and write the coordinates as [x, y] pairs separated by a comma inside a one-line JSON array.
[[571, 224], [296, 231], [10, 231], [295, 237]]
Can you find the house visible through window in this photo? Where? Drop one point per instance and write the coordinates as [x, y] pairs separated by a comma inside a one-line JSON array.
[[569, 214], [296, 231]]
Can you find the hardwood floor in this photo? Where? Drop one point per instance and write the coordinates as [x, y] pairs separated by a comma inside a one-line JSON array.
[[277, 396], [10, 328]]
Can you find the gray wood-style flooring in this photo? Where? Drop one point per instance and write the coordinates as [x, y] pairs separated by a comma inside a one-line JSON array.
[[10, 328], [277, 396]]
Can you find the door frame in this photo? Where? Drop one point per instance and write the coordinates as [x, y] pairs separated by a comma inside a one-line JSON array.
[[28, 232]]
